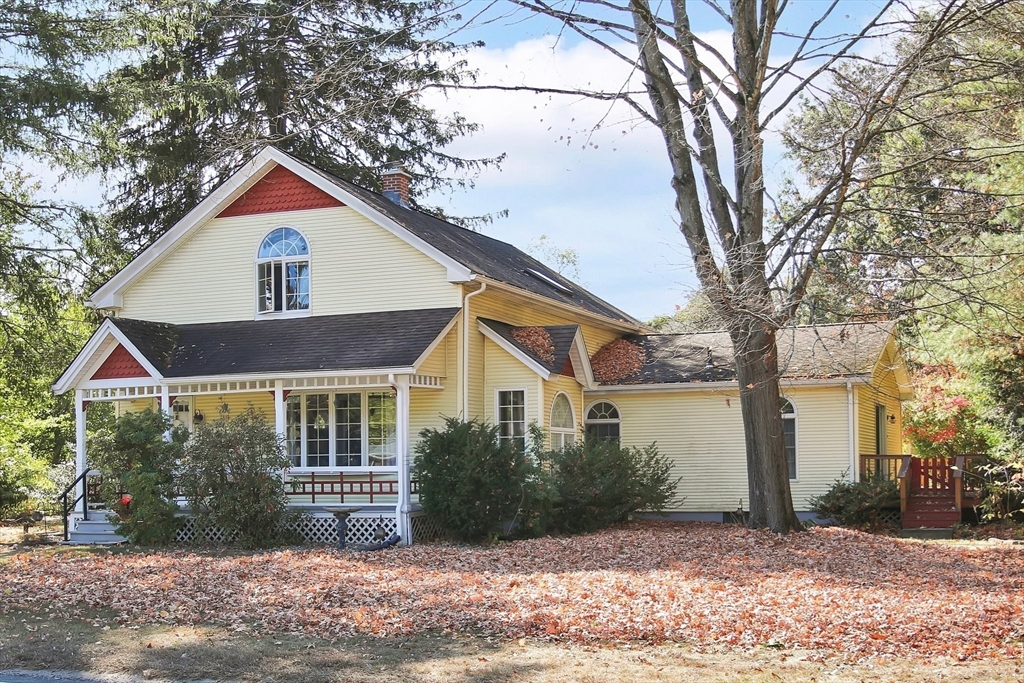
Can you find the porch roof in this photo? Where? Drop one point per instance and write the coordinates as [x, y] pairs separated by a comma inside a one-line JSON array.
[[389, 339]]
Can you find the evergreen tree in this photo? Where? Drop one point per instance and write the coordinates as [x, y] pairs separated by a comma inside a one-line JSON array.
[[334, 83]]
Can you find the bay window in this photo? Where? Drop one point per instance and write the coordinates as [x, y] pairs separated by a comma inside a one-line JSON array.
[[342, 429]]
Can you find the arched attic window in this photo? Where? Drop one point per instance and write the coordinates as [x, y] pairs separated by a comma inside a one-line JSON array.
[[282, 272], [563, 423], [603, 421], [788, 411]]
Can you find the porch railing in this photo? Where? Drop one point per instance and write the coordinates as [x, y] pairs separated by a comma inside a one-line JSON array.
[[957, 477], [336, 487]]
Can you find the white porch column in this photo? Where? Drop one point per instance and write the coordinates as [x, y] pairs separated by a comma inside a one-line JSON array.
[[279, 417], [403, 460], [80, 459], [165, 408]]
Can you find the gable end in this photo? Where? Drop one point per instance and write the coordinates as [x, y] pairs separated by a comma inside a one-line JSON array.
[[280, 190], [119, 365]]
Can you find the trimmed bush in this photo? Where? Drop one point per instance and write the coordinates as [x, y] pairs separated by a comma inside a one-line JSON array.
[[137, 463], [230, 474], [596, 482], [472, 483], [857, 504]]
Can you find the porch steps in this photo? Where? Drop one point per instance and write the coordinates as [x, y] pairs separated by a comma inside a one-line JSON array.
[[93, 532], [931, 512]]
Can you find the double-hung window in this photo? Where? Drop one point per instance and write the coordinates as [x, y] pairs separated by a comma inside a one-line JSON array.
[[512, 417], [789, 434], [282, 272], [342, 429]]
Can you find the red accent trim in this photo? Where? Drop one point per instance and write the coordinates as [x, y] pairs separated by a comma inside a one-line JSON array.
[[279, 190], [119, 365], [567, 370], [85, 405]]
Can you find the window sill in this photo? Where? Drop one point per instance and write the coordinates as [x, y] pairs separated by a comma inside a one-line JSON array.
[[283, 314]]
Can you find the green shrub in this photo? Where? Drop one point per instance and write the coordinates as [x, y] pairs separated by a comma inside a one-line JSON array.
[[857, 504], [472, 483], [230, 476], [137, 463], [1002, 489], [596, 482]]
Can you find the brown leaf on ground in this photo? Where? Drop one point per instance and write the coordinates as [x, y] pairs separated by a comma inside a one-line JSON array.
[[836, 592]]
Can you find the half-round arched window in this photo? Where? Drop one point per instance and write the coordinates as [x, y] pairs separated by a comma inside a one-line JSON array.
[[603, 421], [563, 423], [282, 272], [788, 411]]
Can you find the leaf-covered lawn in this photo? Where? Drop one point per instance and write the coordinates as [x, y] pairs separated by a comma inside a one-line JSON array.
[[838, 592]]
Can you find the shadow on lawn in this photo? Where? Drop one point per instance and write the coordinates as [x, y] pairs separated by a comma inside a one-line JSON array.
[[199, 653]]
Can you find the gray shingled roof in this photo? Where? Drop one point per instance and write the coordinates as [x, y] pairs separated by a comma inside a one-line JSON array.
[[391, 339], [562, 337], [483, 255], [813, 352]]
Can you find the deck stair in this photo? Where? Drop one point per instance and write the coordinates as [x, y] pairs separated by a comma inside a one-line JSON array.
[[931, 492]]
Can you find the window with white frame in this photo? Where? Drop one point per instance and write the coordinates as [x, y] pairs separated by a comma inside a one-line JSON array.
[[789, 434], [602, 421], [512, 417], [342, 429], [563, 423], [282, 272]]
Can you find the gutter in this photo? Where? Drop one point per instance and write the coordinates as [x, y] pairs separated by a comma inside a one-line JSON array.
[[465, 348], [721, 386]]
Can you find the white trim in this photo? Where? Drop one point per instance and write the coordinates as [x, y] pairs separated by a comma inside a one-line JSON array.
[[796, 437], [582, 358], [288, 375], [526, 411], [851, 430], [512, 350], [109, 295], [332, 429], [720, 386], [81, 462], [437, 342], [85, 360], [603, 420]]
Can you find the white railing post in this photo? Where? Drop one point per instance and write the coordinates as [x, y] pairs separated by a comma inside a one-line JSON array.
[[81, 463], [404, 507]]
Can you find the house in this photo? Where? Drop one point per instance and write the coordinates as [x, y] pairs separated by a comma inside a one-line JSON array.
[[353, 322]]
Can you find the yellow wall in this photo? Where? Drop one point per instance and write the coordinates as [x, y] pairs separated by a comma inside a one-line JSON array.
[[702, 433], [138, 405], [356, 267], [507, 308], [883, 390], [429, 407], [506, 372]]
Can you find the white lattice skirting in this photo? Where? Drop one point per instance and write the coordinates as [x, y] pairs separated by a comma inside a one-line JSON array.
[[424, 528], [312, 528]]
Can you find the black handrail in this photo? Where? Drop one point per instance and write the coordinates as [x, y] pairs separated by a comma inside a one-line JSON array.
[[66, 508]]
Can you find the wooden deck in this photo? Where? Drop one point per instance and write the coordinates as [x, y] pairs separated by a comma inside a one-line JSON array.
[[933, 491]]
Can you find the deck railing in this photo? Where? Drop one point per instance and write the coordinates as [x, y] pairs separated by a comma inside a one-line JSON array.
[[335, 487], [875, 465], [959, 477]]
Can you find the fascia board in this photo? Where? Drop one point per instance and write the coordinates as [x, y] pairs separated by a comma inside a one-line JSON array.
[[437, 341], [284, 374], [723, 386], [513, 351], [109, 294], [581, 349]]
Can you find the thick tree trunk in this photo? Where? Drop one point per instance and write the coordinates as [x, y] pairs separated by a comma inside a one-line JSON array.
[[757, 369]]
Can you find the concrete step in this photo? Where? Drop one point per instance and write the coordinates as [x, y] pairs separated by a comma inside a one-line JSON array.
[[94, 531]]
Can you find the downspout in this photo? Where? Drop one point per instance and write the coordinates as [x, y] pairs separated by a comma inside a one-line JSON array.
[[851, 424], [465, 349]]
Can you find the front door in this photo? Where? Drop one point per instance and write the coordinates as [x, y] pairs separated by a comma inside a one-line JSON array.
[[181, 408]]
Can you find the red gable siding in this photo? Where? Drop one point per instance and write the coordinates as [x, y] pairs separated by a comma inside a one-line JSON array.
[[120, 364], [279, 190]]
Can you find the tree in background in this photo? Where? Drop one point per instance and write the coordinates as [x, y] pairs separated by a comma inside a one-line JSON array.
[[335, 84], [755, 256]]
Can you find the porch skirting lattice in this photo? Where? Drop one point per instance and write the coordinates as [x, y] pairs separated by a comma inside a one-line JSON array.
[[312, 529]]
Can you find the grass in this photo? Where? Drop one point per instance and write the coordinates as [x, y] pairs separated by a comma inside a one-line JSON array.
[[193, 653]]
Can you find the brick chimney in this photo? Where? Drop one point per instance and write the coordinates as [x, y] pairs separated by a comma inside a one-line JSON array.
[[396, 184]]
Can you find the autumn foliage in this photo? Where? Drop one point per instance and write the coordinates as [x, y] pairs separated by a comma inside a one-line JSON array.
[[941, 423]]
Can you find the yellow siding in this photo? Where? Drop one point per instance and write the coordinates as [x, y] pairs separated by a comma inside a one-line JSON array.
[[507, 372], [437, 362], [138, 405], [356, 267], [212, 407], [573, 389], [702, 433], [429, 407], [884, 390], [514, 311]]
